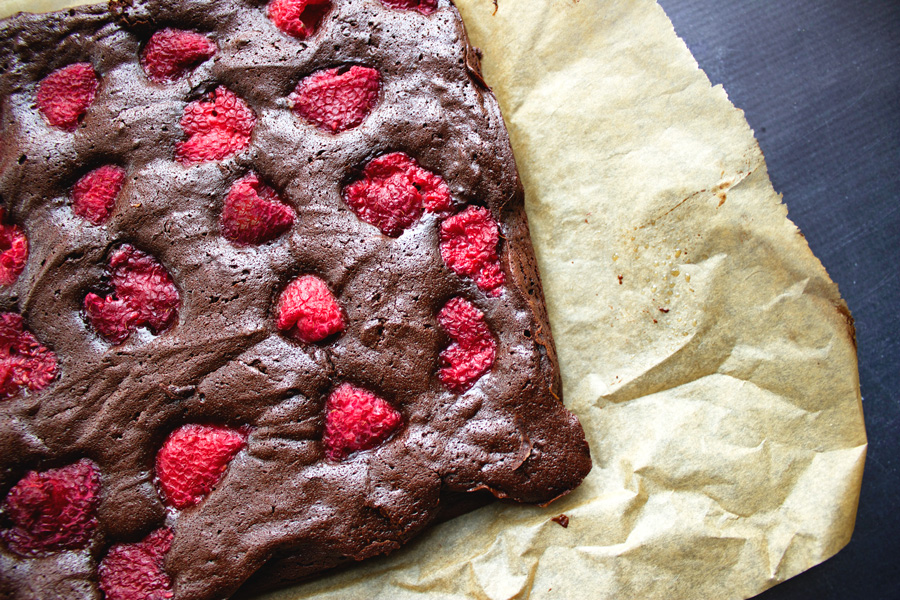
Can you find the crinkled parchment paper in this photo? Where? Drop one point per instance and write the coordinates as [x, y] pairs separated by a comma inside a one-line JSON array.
[[706, 351]]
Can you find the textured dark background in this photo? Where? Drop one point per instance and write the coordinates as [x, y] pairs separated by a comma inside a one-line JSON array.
[[819, 81]]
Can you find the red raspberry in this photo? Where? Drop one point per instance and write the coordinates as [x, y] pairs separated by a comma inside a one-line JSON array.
[[145, 296], [356, 419], [144, 283], [24, 362], [137, 571], [337, 99], [469, 247], [394, 192], [53, 510], [112, 318], [171, 53], [13, 251], [193, 459], [216, 128], [253, 213], [65, 94], [94, 196], [298, 18], [426, 7], [473, 349], [308, 311]]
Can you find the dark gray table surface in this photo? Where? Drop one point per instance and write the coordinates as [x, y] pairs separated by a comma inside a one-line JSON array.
[[819, 82]]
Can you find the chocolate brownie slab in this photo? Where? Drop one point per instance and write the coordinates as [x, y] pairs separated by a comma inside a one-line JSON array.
[[268, 295]]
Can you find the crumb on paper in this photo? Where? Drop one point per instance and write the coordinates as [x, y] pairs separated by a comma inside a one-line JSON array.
[[562, 520]]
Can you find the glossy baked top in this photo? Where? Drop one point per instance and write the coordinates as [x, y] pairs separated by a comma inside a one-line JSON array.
[[244, 242]]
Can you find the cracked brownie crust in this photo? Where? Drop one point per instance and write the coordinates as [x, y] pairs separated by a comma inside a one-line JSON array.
[[282, 503]]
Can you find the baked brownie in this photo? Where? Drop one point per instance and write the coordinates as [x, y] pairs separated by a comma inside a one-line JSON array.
[[268, 295]]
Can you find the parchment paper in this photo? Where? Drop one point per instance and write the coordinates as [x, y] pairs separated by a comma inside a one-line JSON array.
[[703, 346]]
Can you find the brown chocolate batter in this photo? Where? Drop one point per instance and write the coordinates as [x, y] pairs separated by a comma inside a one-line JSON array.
[[282, 510]]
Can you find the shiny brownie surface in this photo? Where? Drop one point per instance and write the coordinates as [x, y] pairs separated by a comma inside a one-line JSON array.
[[186, 419]]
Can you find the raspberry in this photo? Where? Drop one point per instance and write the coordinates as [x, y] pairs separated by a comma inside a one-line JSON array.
[[253, 213], [141, 281], [112, 318], [171, 53], [137, 571], [65, 94], [53, 510], [298, 18], [426, 7], [469, 247], [308, 311], [394, 192], [24, 361], [356, 419], [216, 128], [94, 196], [145, 296], [337, 99], [472, 352], [13, 251], [193, 459]]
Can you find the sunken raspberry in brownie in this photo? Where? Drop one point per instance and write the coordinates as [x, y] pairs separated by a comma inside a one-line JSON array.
[[268, 301]]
